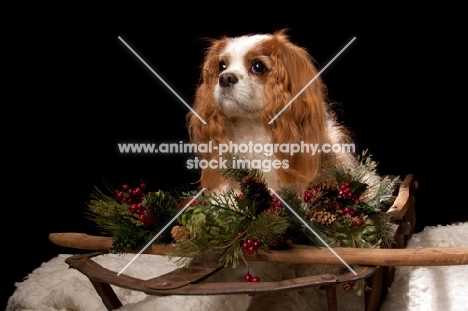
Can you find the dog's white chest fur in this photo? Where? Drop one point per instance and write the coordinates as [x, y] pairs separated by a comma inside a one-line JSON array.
[[249, 133]]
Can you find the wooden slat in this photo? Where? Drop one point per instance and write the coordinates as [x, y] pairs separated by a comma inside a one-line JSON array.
[[429, 256], [402, 202]]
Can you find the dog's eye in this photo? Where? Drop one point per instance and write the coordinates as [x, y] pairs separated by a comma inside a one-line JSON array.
[[222, 66], [258, 67]]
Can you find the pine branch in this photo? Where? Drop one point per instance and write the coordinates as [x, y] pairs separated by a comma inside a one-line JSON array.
[[129, 238], [359, 173], [160, 203], [384, 192], [293, 197], [229, 204], [268, 228], [236, 172], [105, 212], [296, 230]]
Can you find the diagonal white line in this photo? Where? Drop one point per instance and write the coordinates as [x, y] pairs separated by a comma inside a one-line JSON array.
[[315, 233], [310, 82], [164, 82], [160, 232]]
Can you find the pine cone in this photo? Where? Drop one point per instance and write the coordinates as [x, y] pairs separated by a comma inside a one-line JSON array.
[[255, 190], [349, 286], [324, 194], [331, 205], [322, 217], [180, 233]]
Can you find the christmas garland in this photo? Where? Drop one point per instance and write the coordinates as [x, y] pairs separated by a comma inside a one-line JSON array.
[[345, 208]]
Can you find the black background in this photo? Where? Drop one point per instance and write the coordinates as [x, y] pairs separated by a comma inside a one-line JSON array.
[[78, 91]]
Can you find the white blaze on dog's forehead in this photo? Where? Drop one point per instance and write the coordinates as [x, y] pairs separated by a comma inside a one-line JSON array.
[[239, 46]]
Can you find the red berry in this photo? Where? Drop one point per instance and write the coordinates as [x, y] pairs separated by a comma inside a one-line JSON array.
[[249, 242], [136, 192], [125, 187], [307, 196], [255, 244], [346, 210], [118, 195], [351, 212], [250, 250], [254, 279], [241, 196], [247, 277], [142, 185], [245, 245], [356, 223]]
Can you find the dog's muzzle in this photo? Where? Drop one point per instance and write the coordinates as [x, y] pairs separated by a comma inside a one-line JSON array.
[[227, 79]]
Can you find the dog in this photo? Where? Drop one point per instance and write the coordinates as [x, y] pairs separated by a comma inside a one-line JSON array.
[[254, 92]]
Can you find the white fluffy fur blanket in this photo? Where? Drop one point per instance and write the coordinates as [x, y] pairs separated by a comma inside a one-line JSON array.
[[55, 287]]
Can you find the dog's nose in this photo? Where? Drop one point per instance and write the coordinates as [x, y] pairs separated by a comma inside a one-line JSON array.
[[227, 79]]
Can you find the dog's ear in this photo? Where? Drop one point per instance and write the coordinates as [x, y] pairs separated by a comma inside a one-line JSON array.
[[204, 104], [305, 117], [205, 108]]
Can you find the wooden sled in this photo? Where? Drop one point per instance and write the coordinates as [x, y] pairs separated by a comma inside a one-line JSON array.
[[375, 266]]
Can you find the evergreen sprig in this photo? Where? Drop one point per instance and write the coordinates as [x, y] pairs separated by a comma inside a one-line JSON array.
[[236, 172], [268, 228], [362, 176], [376, 232], [115, 218], [129, 237], [220, 227], [106, 213], [213, 229], [384, 193]]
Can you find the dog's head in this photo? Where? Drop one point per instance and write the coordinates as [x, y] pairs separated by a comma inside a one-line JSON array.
[[265, 78]]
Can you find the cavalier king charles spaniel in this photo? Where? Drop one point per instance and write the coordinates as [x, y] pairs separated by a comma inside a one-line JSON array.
[[246, 82]]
